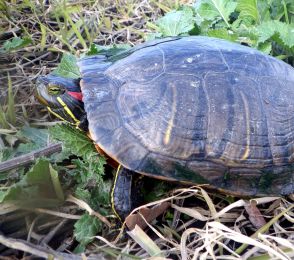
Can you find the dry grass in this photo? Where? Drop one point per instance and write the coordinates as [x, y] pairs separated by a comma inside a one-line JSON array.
[[202, 226], [63, 26]]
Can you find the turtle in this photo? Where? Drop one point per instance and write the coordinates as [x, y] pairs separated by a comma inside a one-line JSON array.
[[193, 110]]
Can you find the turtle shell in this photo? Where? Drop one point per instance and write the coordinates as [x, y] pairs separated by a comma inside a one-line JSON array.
[[197, 110]]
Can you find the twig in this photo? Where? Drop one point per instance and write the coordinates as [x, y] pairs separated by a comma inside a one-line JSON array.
[[85, 206], [35, 249], [30, 157], [49, 236]]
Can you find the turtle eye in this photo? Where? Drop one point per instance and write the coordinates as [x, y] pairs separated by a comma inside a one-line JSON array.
[[54, 89]]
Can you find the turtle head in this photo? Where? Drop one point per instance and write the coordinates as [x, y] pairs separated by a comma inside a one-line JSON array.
[[63, 98]]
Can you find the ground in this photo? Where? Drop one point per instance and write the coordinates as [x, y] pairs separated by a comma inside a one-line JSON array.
[[198, 224]]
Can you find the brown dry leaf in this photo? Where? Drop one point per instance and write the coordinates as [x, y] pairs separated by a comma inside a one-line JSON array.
[[148, 214], [255, 216]]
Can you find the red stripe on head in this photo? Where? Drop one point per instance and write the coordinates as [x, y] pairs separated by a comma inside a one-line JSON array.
[[76, 95]]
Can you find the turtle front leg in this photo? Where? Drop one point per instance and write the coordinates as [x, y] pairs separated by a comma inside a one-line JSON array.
[[126, 192], [83, 125]]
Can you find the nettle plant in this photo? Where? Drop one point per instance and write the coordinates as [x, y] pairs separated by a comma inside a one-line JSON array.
[[267, 25]]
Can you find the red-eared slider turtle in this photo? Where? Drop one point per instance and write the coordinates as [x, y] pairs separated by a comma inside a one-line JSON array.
[[189, 109]]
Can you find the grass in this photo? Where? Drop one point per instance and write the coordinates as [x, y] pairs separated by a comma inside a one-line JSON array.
[[199, 225]]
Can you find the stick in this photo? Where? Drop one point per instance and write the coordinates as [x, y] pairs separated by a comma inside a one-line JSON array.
[[30, 157], [37, 250]]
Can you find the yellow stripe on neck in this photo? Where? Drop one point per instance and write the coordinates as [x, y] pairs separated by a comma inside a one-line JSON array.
[[55, 114], [68, 111]]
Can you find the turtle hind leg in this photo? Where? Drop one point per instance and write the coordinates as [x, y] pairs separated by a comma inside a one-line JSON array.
[[126, 192]]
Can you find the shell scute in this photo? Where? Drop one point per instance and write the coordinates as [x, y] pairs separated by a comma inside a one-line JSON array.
[[145, 65]]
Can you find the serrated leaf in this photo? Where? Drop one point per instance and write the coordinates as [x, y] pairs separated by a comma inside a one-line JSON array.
[[265, 47], [248, 11], [177, 22], [73, 139], [68, 67], [40, 187], [89, 171], [101, 195], [215, 9], [265, 31], [86, 228], [83, 194], [285, 32], [16, 43]]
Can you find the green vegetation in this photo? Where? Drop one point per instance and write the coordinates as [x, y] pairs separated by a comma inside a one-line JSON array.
[[87, 169], [39, 186], [265, 25], [37, 39], [85, 230]]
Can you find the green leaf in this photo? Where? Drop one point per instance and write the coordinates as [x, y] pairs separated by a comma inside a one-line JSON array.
[[265, 47], [88, 171], [6, 153], [56, 183], [40, 187], [73, 139], [24, 148], [97, 196], [223, 34], [2, 195], [269, 29], [264, 10], [152, 36], [79, 249], [248, 11], [16, 43], [177, 22], [83, 194], [86, 228], [215, 9], [107, 50], [281, 9], [36, 135], [101, 195], [206, 11], [68, 67], [265, 31], [32, 138]]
